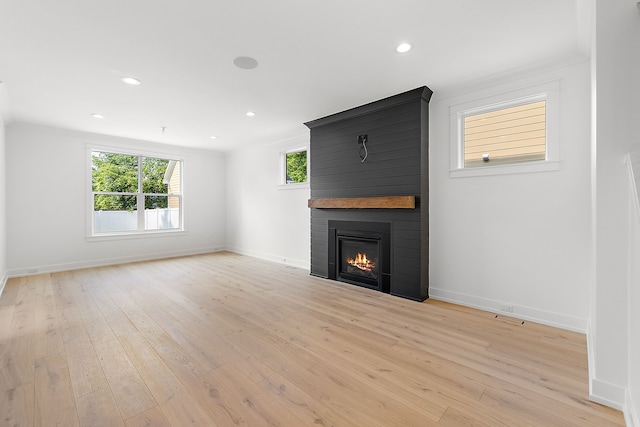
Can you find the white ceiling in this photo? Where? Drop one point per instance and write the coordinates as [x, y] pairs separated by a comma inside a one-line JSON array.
[[62, 60]]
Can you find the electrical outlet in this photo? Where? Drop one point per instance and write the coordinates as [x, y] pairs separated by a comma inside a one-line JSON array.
[[506, 308]]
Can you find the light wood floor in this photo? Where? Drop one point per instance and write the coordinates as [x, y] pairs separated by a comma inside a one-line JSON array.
[[226, 340]]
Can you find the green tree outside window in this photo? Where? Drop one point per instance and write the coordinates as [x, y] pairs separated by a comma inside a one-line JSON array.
[[296, 167], [118, 173]]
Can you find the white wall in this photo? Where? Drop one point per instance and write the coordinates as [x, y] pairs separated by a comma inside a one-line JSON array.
[[3, 205], [266, 220], [518, 240], [47, 174], [616, 43], [633, 397], [632, 407]]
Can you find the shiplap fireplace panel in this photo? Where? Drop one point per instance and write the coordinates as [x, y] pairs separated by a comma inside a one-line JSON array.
[[390, 186]]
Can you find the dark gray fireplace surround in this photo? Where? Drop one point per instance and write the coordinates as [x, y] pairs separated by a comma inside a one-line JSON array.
[[396, 135]]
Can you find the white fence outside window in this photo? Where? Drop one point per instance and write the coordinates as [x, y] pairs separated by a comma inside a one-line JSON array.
[[122, 221]]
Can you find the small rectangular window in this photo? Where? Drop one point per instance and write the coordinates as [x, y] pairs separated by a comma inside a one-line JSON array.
[[503, 135], [509, 131], [134, 193], [295, 167]]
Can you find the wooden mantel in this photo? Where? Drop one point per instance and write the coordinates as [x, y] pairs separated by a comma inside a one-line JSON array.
[[385, 202]]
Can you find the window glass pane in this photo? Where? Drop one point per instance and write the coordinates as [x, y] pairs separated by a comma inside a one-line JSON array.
[[115, 173], [155, 202], [161, 212], [153, 175], [109, 202], [173, 177], [296, 167], [508, 135], [113, 214]]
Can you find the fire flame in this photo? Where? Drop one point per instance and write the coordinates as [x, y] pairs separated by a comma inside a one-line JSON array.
[[362, 262]]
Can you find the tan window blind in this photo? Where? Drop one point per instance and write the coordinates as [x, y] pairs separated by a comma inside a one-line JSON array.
[[509, 135]]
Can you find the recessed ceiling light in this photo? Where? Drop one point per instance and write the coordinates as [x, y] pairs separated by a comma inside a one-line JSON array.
[[97, 116], [250, 113], [213, 137], [245, 62], [403, 48], [131, 81]]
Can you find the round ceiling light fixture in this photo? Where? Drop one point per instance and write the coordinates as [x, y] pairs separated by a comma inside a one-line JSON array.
[[245, 62], [213, 137], [97, 116], [403, 48], [250, 114], [130, 81]]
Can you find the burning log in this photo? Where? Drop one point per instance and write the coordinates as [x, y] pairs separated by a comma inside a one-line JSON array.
[[362, 262]]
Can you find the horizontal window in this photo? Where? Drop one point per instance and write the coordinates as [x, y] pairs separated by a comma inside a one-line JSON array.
[[134, 194], [509, 133]]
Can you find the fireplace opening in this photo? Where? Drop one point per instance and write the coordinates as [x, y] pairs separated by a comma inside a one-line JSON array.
[[358, 260], [359, 253]]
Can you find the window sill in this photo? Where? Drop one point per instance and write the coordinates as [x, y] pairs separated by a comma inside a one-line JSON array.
[[532, 167], [293, 186], [128, 236]]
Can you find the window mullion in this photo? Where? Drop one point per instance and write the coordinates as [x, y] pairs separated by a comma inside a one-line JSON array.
[[140, 197]]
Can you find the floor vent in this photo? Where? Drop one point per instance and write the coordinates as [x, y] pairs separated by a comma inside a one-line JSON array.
[[510, 319]]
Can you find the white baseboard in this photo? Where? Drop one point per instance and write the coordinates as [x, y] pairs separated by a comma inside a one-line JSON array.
[[607, 394], [601, 391], [631, 414], [298, 263], [53, 268], [531, 314], [3, 282], [591, 355]]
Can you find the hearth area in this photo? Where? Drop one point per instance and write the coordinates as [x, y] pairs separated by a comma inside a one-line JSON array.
[[369, 180], [359, 253]]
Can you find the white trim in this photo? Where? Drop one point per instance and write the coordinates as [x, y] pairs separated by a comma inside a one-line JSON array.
[[527, 167], [140, 232], [607, 394], [303, 264], [282, 177], [591, 356], [550, 91], [3, 283], [54, 268], [631, 414], [633, 159], [558, 320], [294, 186], [600, 391], [135, 235]]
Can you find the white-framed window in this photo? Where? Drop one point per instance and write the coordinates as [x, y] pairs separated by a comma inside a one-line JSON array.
[[133, 193], [513, 132], [294, 168]]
